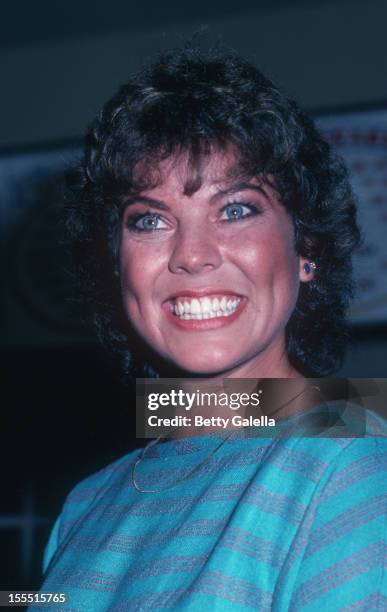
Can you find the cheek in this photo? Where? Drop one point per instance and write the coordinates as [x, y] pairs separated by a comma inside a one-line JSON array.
[[269, 261], [139, 267], [265, 255]]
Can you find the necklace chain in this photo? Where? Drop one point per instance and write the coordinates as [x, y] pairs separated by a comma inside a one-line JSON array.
[[197, 467], [174, 484]]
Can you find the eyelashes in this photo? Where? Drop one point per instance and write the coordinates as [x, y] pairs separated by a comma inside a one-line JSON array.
[[149, 221], [145, 222], [236, 211]]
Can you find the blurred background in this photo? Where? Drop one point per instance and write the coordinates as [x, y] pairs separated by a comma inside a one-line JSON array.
[[64, 413]]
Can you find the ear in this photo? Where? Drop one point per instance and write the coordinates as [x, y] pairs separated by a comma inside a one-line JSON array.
[[306, 270]]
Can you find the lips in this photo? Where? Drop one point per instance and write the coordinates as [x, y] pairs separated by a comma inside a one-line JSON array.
[[204, 309]]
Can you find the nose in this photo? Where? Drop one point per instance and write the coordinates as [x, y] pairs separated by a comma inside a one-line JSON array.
[[194, 251]]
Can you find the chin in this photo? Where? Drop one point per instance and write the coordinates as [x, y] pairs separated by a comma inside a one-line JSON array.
[[210, 364]]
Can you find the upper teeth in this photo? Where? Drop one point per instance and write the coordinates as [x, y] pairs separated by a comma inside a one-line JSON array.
[[205, 307]]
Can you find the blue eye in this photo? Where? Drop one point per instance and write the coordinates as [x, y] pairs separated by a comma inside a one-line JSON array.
[[236, 211], [149, 222]]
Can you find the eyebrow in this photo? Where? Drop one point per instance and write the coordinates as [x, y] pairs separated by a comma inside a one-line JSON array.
[[239, 187], [141, 199]]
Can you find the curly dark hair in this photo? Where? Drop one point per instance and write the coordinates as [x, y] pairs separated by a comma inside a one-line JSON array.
[[196, 101]]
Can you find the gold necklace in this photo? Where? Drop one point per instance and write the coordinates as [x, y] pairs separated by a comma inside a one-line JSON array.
[[197, 467]]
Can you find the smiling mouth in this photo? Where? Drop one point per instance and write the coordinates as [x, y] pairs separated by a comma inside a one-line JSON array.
[[207, 307], [205, 311]]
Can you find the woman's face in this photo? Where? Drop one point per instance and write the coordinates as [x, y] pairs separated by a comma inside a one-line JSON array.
[[210, 279]]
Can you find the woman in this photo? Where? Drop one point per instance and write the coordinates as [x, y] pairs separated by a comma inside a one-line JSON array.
[[216, 230]]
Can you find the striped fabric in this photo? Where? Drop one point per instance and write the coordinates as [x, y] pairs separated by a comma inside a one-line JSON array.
[[285, 524]]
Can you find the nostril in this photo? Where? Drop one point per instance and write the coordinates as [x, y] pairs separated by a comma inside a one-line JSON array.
[[196, 257]]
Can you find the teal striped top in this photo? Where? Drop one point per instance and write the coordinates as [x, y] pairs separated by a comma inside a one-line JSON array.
[[269, 524]]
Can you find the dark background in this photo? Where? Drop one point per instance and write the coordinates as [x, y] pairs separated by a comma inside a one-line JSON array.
[[64, 413]]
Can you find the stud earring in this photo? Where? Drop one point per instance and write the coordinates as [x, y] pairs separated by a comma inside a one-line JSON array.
[[309, 266]]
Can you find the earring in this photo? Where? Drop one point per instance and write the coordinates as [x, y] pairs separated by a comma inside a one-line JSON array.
[[309, 266]]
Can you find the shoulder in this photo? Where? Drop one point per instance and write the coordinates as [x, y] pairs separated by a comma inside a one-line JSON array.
[[356, 445], [104, 482], [329, 474], [92, 486], [358, 464], [343, 561], [338, 554], [84, 496]]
